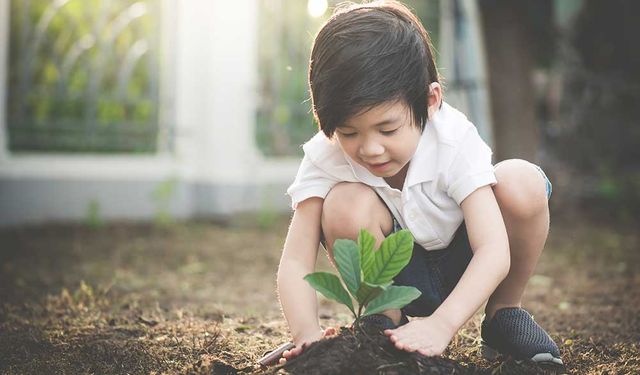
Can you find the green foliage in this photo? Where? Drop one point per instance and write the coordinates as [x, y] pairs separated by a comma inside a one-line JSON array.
[[329, 285], [67, 87], [347, 258], [366, 243], [368, 274], [394, 297], [368, 291], [393, 255]]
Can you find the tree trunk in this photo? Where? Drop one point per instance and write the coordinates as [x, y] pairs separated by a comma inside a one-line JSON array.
[[507, 34]]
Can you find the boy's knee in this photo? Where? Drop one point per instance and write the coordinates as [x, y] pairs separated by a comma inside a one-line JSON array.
[[521, 190], [348, 208]]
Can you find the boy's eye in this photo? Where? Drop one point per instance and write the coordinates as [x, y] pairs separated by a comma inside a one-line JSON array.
[[347, 134], [388, 132]]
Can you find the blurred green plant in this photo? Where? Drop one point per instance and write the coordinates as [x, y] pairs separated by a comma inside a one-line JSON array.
[[93, 218], [162, 196], [267, 214]]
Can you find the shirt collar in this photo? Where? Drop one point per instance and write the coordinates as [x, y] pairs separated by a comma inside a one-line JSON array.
[[364, 175], [423, 165]]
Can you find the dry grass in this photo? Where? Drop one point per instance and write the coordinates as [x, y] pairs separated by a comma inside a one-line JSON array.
[[198, 298]]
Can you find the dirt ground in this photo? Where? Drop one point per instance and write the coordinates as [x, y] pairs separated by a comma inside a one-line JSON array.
[[199, 298]]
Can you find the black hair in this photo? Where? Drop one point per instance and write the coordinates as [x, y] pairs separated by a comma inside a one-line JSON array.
[[369, 54]]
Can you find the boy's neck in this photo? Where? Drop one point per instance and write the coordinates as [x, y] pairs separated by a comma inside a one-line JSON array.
[[397, 181]]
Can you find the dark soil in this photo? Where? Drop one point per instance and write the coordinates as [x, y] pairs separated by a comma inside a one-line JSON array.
[[368, 351], [365, 351], [199, 298]]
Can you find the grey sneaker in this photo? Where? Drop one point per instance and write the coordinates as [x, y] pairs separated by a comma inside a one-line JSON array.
[[512, 331]]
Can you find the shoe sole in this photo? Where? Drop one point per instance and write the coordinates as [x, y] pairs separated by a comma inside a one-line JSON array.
[[491, 354]]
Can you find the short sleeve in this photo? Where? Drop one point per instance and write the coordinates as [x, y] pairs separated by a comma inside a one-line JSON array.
[[310, 181], [471, 167]]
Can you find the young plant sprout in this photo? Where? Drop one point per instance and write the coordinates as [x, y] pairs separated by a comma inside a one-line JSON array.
[[368, 274]]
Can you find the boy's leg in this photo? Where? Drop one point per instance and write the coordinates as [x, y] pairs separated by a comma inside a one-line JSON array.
[[522, 197], [522, 193], [350, 207]]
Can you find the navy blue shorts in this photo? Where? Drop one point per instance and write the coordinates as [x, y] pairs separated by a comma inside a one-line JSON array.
[[434, 273]]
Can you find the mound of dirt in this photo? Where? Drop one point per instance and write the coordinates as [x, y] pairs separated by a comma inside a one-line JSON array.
[[366, 350]]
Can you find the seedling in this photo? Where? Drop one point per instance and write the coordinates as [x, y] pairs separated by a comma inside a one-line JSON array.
[[368, 274]]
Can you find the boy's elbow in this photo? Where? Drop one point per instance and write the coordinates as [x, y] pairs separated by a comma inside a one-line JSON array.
[[497, 257]]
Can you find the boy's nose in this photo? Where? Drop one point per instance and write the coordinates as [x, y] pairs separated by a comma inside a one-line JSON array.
[[371, 149]]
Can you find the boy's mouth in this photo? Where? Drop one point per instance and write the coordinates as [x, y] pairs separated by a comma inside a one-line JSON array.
[[379, 166]]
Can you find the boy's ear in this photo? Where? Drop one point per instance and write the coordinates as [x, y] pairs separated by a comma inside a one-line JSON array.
[[434, 98]]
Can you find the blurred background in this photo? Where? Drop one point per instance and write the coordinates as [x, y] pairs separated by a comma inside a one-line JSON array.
[[164, 110], [146, 147]]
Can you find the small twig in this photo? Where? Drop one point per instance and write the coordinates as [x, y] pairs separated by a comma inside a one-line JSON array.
[[273, 356], [390, 365]]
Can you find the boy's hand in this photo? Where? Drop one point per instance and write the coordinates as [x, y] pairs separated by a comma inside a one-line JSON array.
[[428, 336], [304, 342]]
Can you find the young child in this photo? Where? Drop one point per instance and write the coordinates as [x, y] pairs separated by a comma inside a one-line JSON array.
[[391, 154]]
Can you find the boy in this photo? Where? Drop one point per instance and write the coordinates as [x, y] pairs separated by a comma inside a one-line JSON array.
[[391, 154]]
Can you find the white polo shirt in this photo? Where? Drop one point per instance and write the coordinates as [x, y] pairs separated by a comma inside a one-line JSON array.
[[450, 162]]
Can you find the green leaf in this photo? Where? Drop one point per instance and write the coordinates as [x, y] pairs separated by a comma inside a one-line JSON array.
[[329, 285], [366, 243], [395, 297], [393, 255], [347, 257], [368, 291]]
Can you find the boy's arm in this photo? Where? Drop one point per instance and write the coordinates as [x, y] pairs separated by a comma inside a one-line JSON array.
[[297, 297], [490, 262]]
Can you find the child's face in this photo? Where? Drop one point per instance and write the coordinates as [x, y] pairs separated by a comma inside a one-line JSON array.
[[382, 139]]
